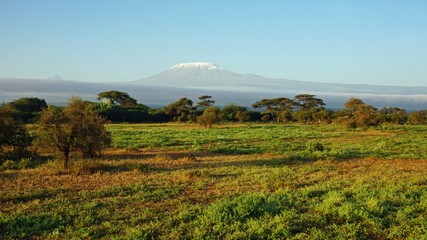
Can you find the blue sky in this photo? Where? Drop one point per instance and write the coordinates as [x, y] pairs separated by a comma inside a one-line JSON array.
[[360, 41]]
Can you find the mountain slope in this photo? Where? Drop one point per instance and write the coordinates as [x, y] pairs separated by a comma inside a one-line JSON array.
[[203, 75], [196, 79]]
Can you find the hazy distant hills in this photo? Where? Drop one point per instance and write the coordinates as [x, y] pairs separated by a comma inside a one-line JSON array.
[[196, 79]]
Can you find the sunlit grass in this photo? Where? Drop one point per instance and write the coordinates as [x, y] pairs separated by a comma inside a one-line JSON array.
[[363, 184]]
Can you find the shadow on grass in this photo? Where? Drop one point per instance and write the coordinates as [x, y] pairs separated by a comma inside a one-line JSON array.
[[279, 161], [38, 195], [99, 166], [140, 155], [170, 160]]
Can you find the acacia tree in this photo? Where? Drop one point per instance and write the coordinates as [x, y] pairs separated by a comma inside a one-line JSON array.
[[359, 114], [179, 110], [308, 107], [392, 115], [76, 127], [115, 97], [230, 112], [205, 101], [308, 102], [275, 106], [30, 105]]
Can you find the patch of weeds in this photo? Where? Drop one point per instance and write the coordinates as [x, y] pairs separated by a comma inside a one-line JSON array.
[[23, 163], [314, 146]]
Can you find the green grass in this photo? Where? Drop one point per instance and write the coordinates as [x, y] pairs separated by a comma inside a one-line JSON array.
[[391, 142], [247, 182]]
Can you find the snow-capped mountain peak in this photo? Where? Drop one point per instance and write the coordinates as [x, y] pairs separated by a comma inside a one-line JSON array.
[[195, 65], [200, 75]]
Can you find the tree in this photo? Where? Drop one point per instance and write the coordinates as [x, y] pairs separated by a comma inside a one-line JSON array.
[[230, 111], [323, 116], [205, 101], [359, 114], [91, 135], [76, 127], [309, 106], [242, 116], [27, 109], [308, 102], [392, 115], [210, 116], [419, 117], [179, 110], [12, 131], [286, 116], [275, 106], [304, 116], [116, 113], [55, 129], [30, 105], [114, 97]]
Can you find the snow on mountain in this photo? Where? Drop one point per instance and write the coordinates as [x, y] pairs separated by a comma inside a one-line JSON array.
[[202, 78], [202, 75], [195, 65]]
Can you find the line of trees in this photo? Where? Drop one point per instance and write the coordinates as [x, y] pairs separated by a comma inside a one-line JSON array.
[[79, 126], [118, 107], [303, 108]]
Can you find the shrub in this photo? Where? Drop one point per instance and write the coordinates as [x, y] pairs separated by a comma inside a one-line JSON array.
[[314, 147], [8, 165], [77, 126]]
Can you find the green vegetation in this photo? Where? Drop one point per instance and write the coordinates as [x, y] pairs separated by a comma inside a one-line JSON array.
[[76, 127], [255, 181], [291, 141], [306, 172]]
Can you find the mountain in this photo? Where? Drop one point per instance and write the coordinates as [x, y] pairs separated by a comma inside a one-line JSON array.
[[210, 77], [201, 78], [203, 75]]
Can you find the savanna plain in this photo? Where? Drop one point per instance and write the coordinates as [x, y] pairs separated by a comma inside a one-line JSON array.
[[232, 181]]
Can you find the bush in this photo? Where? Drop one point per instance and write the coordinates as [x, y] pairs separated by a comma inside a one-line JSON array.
[[8, 165], [314, 147], [12, 165], [24, 163]]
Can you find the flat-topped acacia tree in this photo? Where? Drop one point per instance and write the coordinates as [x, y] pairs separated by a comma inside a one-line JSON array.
[[121, 98]]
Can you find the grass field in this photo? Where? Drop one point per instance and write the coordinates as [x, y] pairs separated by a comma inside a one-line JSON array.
[[177, 181]]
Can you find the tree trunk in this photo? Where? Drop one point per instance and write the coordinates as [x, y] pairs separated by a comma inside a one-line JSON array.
[[66, 159]]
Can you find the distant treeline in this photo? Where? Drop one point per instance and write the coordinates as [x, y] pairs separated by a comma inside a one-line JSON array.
[[118, 107], [79, 126]]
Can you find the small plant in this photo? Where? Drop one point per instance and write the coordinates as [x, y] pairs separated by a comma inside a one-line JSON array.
[[24, 163], [8, 165], [314, 147]]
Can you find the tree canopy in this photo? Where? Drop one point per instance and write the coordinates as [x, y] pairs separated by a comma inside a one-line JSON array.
[[76, 127], [29, 105], [210, 116], [116, 97], [308, 102], [180, 109], [205, 101], [12, 131], [275, 106]]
